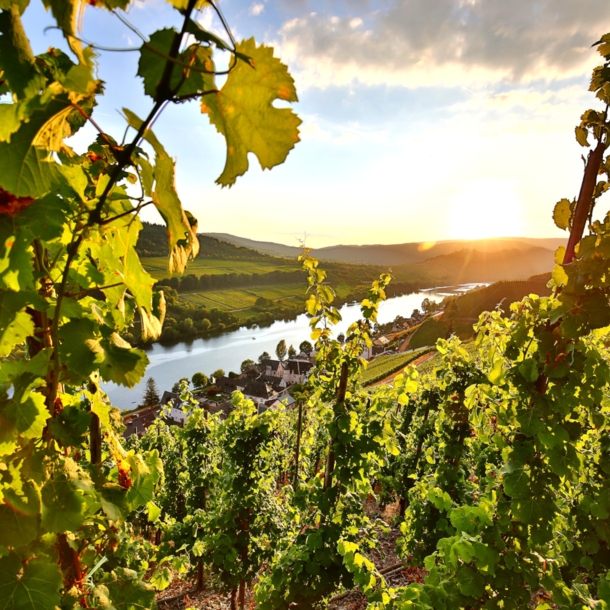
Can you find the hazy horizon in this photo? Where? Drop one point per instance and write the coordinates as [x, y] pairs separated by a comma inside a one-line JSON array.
[[418, 124], [422, 241]]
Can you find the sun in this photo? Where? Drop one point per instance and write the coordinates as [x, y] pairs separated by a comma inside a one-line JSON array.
[[485, 208]]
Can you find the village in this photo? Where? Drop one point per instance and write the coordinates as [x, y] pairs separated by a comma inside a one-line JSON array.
[[269, 383]]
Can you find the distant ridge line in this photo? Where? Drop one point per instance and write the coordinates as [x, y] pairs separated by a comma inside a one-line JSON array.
[[395, 254]]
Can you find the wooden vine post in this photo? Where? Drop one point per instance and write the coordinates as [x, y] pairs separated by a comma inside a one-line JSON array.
[[584, 204], [330, 461], [297, 450]]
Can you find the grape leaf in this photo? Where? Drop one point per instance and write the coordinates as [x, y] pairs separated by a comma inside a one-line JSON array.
[[5, 5], [15, 259], [121, 363], [181, 226], [24, 414], [16, 59], [65, 13], [15, 323], [581, 136], [529, 369], [527, 510], [243, 112], [560, 255], [27, 169], [19, 516], [138, 281], [152, 65], [36, 589], [78, 345], [46, 218], [192, 27], [62, 505], [181, 5], [152, 323], [127, 592], [70, 427], [9, 121], [562, 214], [470, 583], [114, 501], [517, 483]]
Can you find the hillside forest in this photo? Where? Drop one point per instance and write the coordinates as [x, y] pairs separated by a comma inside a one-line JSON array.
[[230, 285], [478, 480]]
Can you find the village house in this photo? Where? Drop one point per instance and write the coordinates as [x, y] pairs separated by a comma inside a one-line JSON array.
[[138, 421], [227, 385], [260, 393], [285, 402], [380, 345], [277, 383], [273, 368], [296, 371]]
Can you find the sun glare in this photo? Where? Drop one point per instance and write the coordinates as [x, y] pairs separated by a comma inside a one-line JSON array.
[[485, 208]]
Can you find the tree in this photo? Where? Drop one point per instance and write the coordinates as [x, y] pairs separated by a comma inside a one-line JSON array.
[[218, 373], [246, 364], [200, 380], [151, 394], [292, 352], [264, 356], [429, 306], [280, 350], [176, 386], [306, 347]]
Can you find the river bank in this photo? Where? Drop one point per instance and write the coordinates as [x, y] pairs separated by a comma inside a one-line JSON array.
[[168, 363]]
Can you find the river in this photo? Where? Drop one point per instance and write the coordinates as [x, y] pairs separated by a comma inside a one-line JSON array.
[[229, 350]]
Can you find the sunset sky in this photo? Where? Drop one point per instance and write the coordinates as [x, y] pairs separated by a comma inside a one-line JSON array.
[[422, 119]]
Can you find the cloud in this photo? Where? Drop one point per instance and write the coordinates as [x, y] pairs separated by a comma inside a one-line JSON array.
[[445, 42], [257, 9]]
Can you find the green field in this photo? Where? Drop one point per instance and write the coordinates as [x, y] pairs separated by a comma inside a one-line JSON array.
[[383, 366], [157, 266], [427, 334], [237, 299], [278, 291]]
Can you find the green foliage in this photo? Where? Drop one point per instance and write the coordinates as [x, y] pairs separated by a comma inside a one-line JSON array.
[[499, 457], [315, 560], [306, 346], [178, 386], [383, 366], [199, 380], [246, 364], [249, 121], [280, 350], [71, 288], [428, 333], [151, 394]]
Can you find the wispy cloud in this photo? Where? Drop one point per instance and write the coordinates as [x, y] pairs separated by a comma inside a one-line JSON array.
[[257, 9], [419, 43]]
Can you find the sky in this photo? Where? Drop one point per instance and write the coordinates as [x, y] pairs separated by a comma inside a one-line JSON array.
[[423, 120]]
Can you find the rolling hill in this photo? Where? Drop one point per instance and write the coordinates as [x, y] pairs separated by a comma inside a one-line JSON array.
[[470, 265], [396, 254], [449, 262]]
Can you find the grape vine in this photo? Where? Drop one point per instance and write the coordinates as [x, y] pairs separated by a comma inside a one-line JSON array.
[[497, 460], [71, 284]]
